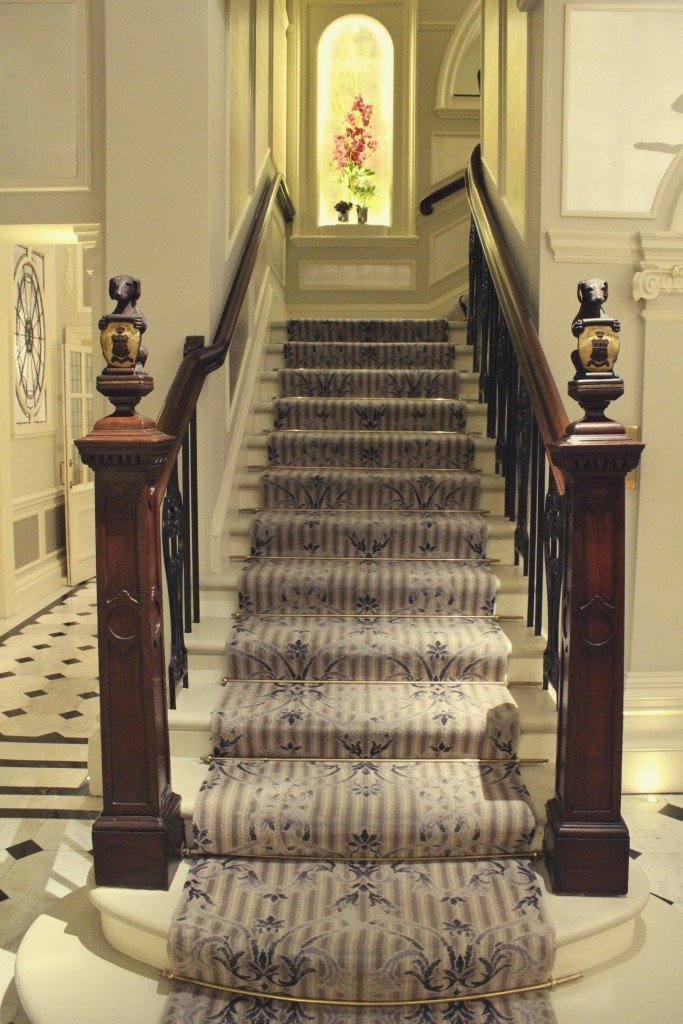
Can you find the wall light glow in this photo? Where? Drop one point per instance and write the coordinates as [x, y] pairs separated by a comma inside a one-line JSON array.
[[355, 56]]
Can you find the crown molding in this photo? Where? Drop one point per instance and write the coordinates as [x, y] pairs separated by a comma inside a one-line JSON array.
[[594, 246]]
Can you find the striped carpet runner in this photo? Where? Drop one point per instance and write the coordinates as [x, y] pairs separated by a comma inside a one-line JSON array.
[[363, 839]]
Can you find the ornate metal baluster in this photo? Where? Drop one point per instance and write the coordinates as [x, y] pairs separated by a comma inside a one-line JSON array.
[[535, 442], [186, 547], [501, 394], [523, 454], [553, 535], [172, 527], [472, 307], [194, 515], [540, 531], [510, 451]]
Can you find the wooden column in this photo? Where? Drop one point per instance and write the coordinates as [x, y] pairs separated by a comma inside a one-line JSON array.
[[138, 837], [586, 839]]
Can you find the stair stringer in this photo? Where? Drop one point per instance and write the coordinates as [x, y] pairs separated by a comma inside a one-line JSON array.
[[240, 420]]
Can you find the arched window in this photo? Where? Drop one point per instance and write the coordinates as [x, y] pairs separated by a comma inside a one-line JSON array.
[[355, 59]]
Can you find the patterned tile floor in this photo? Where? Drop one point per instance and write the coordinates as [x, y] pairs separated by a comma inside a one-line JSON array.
[[48, 710]]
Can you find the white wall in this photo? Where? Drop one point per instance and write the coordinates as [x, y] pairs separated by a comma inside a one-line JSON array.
[[603, 181]]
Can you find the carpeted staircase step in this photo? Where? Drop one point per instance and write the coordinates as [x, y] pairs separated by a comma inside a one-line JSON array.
[[367, 330], [367, 809], [334, 488], [397, 534], [384, 649], [190, 1004], [376, 587], [361, 355], [348, 383], [378, 720], [367, 449], [363, 931], [370, 414]]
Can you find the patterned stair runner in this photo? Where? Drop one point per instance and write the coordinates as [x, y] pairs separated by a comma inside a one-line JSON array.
[[362, 839]]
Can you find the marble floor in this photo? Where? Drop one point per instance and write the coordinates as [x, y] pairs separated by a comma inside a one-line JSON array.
[[48, 711]]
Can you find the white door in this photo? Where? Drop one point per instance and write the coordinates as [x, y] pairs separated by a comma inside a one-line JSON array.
[[79, 501]]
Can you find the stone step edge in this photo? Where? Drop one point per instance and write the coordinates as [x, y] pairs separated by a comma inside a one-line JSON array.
[[590, 931]]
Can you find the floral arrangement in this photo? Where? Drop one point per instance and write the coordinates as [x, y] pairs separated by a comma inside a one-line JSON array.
[[352, 149]]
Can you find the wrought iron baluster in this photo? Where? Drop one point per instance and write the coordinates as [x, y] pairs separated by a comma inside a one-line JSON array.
[[540, 529], [472, 305], [554, 569], [172, 533], [186, 548], [194, 517], [523, 455], [501, 395], [510, 451], [530, 568]]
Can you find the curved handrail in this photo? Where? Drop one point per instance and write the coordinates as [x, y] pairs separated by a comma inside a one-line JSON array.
[[199, 360], [429, 202], [545, 399]]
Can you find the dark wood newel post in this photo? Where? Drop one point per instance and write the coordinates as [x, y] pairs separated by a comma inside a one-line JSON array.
[[586, 839], [137, 839]]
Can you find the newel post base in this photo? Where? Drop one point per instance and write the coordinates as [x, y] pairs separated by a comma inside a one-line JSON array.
[[138, 838], [586, 839]]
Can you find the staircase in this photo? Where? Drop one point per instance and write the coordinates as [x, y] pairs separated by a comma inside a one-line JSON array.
[[364, 797], [363, 833]]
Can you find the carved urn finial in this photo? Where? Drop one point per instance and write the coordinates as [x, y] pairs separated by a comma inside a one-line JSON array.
[[123, 380], [595, 383]]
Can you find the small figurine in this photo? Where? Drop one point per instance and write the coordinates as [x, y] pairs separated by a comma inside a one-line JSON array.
[[598, 344], [122, 329]]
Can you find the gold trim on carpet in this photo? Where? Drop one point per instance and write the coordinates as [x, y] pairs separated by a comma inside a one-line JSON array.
[[551, 983], [376, 511], [363, 559], [325, 612], [528, 855], [376, 682], [210, 758]]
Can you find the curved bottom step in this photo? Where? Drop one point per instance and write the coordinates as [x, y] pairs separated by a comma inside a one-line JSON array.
[[66, 972]]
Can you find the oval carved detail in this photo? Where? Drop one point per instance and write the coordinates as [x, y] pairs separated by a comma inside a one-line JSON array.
[[596, 622]]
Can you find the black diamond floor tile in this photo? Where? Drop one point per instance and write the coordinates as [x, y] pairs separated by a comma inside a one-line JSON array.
[[36, 693], [662, 898], [22, 661], [3, 896], [24, 849], [55, 675], [87, 647], [14, 712], [634, 854], [89, 694], [671, 811], [57, 634], [69, 623], [71, 714], [71, 661], [6, 675], [41, 647]]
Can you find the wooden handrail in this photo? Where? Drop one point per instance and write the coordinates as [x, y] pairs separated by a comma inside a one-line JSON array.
[[457, 184], [199, 361], [545, 398]]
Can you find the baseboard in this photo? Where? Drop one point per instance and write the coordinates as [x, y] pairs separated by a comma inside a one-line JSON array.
[[653, 690], [39, 580], [653, 732]]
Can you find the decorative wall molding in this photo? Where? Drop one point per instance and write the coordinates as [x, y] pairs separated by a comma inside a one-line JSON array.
[[39, 501], [594, 246], [395, 275], [64, 130], [443, 244], [463, 36], [654, 691], [661, 266]]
